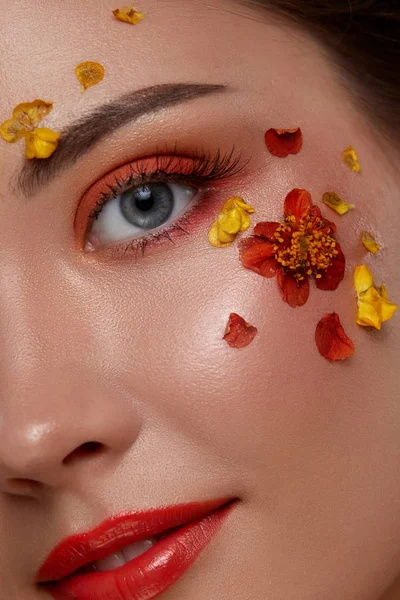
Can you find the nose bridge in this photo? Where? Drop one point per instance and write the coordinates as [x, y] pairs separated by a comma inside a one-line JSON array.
[[54, 396]]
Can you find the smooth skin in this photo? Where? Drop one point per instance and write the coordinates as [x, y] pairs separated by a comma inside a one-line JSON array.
[[129, 354]]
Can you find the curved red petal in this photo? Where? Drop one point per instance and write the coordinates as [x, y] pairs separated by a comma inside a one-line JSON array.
[[298, 203], [239, 333], [266, 230], [334, 274], [258, 256], [293, 293], [282, 142], [331, 339]]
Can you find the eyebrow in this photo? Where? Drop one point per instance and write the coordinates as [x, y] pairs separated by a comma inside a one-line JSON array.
[[85, 133]]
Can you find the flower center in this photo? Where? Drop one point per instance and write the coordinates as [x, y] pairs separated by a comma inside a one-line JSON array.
[[304, 248]]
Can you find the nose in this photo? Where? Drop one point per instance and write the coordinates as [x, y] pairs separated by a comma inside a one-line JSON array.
[[65, 417]]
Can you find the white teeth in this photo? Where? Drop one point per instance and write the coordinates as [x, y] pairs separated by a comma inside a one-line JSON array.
[[135, 550], [118, 559]]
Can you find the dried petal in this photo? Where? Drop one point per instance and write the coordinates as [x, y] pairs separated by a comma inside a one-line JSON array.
[[382, 291], [89, 73], [41, 143], [373, 309], [351, 160], [25, 118], [218, 238], [363, 279], [232, 219], [295, 293], [331, 339], [370, 243], [239, 333], [266, 230], [258, 256], [336, 203], [298, 203], [334, 274], [128, 14], [282, 142]]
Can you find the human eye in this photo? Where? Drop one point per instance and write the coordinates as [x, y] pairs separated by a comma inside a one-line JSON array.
[[151, 200]]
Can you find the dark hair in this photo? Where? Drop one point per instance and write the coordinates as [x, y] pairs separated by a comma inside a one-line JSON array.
[[363, 37]]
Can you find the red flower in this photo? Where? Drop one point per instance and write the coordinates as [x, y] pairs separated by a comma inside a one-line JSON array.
[[239, 333], [301, 247], [331, 339]]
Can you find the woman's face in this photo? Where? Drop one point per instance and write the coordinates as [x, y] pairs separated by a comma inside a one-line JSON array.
[[118, 392]]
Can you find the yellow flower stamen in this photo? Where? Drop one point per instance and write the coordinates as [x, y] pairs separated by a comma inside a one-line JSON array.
[[308, 249]]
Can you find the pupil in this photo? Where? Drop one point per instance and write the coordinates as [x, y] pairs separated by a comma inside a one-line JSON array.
[[147, 206]]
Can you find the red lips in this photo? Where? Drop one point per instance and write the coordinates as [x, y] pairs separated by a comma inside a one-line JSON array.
[[145, 577]]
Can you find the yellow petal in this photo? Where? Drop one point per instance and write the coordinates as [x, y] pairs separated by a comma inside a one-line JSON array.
[[370, 243], [363, 279], [128, 14], [351, 160], [336, 203], [373, 309], [246, 222], [41, 143], [25, 117], [89, 73], [230, 222], [382, 291], [237, 202], [215, 235]]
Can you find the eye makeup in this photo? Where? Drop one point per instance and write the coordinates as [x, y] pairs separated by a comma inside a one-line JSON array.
[[204, 171]]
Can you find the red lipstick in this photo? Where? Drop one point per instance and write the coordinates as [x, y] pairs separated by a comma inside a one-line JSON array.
[[181, 533]]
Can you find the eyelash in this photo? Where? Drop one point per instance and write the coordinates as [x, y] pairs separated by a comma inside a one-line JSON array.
[[197, 169]]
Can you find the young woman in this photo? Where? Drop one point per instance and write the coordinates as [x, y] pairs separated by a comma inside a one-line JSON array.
[[141, 456]]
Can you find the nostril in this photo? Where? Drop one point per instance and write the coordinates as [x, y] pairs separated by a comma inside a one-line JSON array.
[[86, 449]]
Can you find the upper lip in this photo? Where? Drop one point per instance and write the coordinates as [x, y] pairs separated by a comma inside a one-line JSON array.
[[117, 532]]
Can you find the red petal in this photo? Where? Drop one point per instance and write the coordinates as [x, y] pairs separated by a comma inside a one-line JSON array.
[[238, 333], [298, 203], [331, 340], [266, 230], [293, 293], [258, 256], [334, 274], [282, 142]]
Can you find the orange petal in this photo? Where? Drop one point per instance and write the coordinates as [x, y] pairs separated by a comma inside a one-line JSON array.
[[298, 203], [258, 256], [239, 333], [331, 340], [266, 230], [350, 158], [293, 293], [370, 243], [282, 142], [334, 274], [128, 14], [89, 73], [25, 117]]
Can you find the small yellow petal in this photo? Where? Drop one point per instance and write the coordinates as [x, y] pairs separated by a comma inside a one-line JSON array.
[[351, 160], [373, 309], [230, 222], [363, 279], [246, 222], [382, 291], [336, 203], [215, 235], [89, 73], [128, 14], [370, 243], [41, 143], [237, 202], [25, 117]]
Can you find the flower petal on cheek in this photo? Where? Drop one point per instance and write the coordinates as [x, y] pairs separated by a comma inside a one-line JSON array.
[[282, 142], [128, 14], [331, 339], [298, 203], [266, 230], [293, 293], [370, 243], [335, 202], [334, 274], [89, 73], [239, 333], [350, 158], [258, 256]]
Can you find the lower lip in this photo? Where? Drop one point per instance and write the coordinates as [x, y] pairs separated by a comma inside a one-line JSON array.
[[152, 573]]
